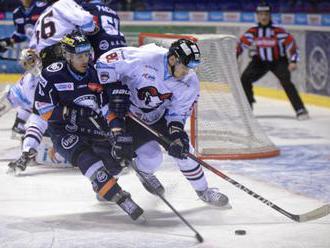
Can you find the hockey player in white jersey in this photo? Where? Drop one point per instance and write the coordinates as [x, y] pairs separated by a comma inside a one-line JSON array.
[[61, 18], [163, 88], [21, 94]]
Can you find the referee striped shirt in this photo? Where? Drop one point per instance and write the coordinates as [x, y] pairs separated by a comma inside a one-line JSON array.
[[271, 43]]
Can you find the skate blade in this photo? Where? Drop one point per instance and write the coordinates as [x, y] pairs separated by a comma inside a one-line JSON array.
[[14, 171], [142, 220]]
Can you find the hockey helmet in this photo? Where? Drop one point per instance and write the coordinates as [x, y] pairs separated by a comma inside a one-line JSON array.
[[30, 61], [186, 51], [76, 43], [264, 7]]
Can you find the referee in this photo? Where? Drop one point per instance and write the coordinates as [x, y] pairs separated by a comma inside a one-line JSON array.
[[273, 45]]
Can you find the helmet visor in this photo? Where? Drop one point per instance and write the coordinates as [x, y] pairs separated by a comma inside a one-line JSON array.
[[193, 64]]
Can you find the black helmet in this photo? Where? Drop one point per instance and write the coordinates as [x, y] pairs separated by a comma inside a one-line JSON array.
[[76, 43], [186, 51], [264, 7]]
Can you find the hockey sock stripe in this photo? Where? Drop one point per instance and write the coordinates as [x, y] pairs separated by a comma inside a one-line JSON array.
[[33, 137], [107, 187], [187, 171], [196, 178], [195, 174], [34, 131]]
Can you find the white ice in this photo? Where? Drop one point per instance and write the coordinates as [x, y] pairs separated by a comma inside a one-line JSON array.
[[54, 207]]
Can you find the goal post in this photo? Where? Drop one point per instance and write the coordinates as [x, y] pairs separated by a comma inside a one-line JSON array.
[[222, 125]]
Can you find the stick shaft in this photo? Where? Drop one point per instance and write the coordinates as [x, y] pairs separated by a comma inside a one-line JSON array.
[[312, 215]]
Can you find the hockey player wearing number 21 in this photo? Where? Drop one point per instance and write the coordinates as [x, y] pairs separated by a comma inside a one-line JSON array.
[[163, 87], [69, 100]]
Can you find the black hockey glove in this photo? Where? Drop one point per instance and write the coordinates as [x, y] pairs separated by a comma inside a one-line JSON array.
[[118, 99], [179, 146], [4, 44], [122, 146]]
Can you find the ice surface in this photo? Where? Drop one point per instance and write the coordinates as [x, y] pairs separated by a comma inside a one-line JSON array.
[[55, 207]]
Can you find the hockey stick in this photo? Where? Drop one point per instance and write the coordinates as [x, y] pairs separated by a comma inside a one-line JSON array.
[[197, 235], [9, 59], [311, 215]]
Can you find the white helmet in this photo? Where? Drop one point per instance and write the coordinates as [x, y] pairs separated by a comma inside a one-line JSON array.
[[30, 61]]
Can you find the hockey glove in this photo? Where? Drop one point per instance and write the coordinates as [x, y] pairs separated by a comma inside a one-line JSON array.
[[122, 146], [118, 99], [179, 146]]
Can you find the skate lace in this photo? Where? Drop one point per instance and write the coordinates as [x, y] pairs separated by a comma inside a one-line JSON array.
[[22, 162], [212, 194], [151, 179], [129, 206]]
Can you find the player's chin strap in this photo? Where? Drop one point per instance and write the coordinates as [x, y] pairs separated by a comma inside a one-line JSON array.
[[311, 215]]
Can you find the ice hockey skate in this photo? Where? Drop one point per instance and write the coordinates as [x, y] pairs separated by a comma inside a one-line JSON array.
[[20, 164], [212, 196], [125, 202], [302, 115], [149, 181]]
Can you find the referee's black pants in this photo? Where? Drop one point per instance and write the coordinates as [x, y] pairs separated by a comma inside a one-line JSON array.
[[257, 69]]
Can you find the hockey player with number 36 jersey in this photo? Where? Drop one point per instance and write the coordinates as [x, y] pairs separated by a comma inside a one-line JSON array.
[[163, 89], [61, 18]]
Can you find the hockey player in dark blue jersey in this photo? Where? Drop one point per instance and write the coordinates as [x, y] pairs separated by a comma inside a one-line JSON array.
[[84, 130], [109, 35], [24, 17]]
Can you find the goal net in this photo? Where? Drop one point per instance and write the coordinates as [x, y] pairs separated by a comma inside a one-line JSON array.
[[222, 124]]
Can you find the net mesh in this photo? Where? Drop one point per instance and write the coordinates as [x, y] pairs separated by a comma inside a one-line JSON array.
[[223, 126]]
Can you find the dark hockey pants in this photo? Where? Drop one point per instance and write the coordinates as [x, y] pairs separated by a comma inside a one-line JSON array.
[[257, 69]]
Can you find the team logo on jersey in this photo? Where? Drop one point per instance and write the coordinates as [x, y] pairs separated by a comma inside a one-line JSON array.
[[69, 141], [101, 176], [68, 86], [104, 45], [88, 100], [148, 76], [57, 66], [19, 20], [152, 97], [104, 76]]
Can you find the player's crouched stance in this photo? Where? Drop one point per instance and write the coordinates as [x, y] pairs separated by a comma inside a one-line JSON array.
[[70, 100], [163, 90]]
